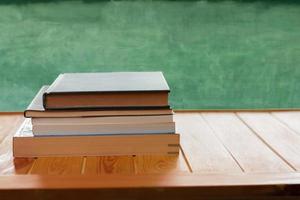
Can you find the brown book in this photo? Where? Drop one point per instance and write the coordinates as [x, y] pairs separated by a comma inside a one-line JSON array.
[[107, 90], [36, 109], [27, 145]]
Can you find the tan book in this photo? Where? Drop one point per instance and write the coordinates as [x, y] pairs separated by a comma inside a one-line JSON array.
[[107, 90], [36, 109], [25, 144]]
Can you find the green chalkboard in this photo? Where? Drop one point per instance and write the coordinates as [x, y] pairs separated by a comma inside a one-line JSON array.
[[214, 54]]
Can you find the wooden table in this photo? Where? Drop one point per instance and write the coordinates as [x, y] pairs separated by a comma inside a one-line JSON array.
[[223, 154]]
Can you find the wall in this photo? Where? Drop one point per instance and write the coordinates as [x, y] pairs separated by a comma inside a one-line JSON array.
[[215, 54]]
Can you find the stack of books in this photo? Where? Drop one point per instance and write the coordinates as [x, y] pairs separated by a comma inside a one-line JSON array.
[[86, 114]]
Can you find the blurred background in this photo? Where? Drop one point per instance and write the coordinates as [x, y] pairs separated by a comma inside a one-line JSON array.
[[214, 54]]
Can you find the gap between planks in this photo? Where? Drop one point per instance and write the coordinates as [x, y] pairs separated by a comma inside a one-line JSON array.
[[228, 127], [266, 143], [186, 160], [284, 142], [203, 150], [83, 165], [31, 167], [230, 153], [284, 123]]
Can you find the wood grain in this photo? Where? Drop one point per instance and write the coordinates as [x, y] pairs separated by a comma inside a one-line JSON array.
[[204, 152], [248, 150], [114, 164], [57, 166], [109, 165], [276, 135], [8, 165], [161, 164]]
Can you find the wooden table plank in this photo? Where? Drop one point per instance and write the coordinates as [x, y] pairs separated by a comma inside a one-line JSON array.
[[161, 164], [204, 152], [109, 165], [290, 119], [9, 123], [57, 166], [146, 180], [249, 151], [276, 135]]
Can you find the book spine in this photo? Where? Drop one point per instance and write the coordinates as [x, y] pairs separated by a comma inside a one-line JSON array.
[[50, 89], [45, 100]]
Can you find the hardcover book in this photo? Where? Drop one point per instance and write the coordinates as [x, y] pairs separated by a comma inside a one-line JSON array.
[[36, 110], [107, 90]]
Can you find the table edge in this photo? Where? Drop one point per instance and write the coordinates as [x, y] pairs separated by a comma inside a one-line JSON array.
[[13, 182]]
